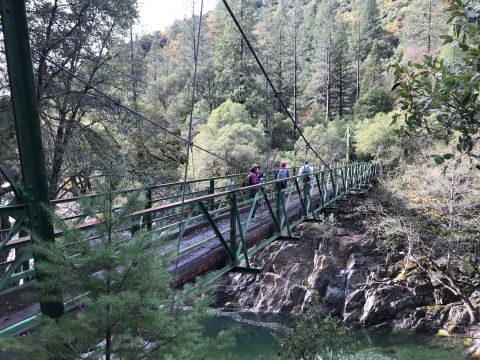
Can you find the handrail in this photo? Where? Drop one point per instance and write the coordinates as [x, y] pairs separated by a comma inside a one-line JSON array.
[[164, 207], [160, 186], [211, 212]]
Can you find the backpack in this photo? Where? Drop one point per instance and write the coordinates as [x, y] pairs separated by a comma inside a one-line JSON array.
[[246, 182], [281, 174], [306, 171]]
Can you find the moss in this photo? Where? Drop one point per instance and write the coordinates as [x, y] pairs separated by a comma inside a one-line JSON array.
[[444, 333]]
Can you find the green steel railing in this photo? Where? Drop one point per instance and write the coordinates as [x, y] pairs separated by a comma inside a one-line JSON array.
[[225, 214]]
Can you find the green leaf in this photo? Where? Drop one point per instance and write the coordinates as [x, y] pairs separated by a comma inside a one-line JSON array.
[[396, 85], [439, 159], [394, 119], [446, 39]]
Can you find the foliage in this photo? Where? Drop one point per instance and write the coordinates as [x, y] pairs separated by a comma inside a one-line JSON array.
[[375, 138], [425, 21], [374, 100], [327, 140], [235, 68], [229, 133], [430, 214], [374, 95], [8, 155], [78, 35], [153, 74], [120, 312], [440, 99], [283, 136], [229, 113], [317, 334]]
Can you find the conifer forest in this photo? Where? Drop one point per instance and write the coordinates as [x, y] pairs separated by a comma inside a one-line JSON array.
[[148, 137]]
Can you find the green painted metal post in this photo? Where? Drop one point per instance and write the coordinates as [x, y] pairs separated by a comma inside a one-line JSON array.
[[347, 139], [148, 205], [233, 225], [32, 158], [278, 201], [211, 191]]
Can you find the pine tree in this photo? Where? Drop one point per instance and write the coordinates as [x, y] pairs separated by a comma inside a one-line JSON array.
[[319, 89], [121, 288], [366, 30], [425, 21], [235, 68], [306, 50], [341, 71], [375, 95], [277, 46]]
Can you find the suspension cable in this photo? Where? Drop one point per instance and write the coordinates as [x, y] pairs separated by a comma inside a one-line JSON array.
[[267, 77], [189, 144], [126, 108]]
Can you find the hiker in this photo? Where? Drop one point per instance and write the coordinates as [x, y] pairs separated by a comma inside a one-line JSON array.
[[282, 173], [252, 179], [306, 171]]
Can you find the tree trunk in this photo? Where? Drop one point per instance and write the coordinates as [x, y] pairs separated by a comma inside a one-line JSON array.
[[429, 35], [452, 286], [133, 77], [340, 94], [328, 80]]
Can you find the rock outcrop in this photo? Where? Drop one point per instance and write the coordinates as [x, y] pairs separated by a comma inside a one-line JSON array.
[[356, 282]]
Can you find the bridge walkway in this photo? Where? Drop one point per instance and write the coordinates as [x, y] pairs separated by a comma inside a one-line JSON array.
[[214, 227]]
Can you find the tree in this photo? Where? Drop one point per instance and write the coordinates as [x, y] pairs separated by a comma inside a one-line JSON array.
[[231, 133], [375, 138], [230, 113], [235, 68], [342, 80], [424, 22], [374, 97], [316, 335], [79, 36], [120, 312], [366, 30], [306, 50], [328, 140], [283, 136], [277, 46], [439, 99], [319, 89]]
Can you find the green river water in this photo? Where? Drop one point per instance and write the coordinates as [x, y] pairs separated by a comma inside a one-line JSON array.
[[257, 339]]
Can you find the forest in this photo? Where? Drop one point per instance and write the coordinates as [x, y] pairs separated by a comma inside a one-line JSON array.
[[396, 82], [327, 60]]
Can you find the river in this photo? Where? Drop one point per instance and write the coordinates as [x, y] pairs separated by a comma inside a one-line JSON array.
[[258, 339]]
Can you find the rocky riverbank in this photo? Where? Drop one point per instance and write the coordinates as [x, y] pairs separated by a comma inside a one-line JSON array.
[[358, 282]]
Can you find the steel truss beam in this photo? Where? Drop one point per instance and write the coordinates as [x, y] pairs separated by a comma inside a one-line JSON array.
[[29, 138]]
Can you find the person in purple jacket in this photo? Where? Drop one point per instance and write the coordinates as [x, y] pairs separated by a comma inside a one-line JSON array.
[[252, 179]]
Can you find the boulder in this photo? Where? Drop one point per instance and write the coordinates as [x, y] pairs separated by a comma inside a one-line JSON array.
[[323, 271], [429, 319], [458, 318], [352, 309], [355, 300], [443, 296], [384, 302], [356, 261]]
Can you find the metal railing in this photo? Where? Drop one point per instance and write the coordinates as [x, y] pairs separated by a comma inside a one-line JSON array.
[[224, 213]]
